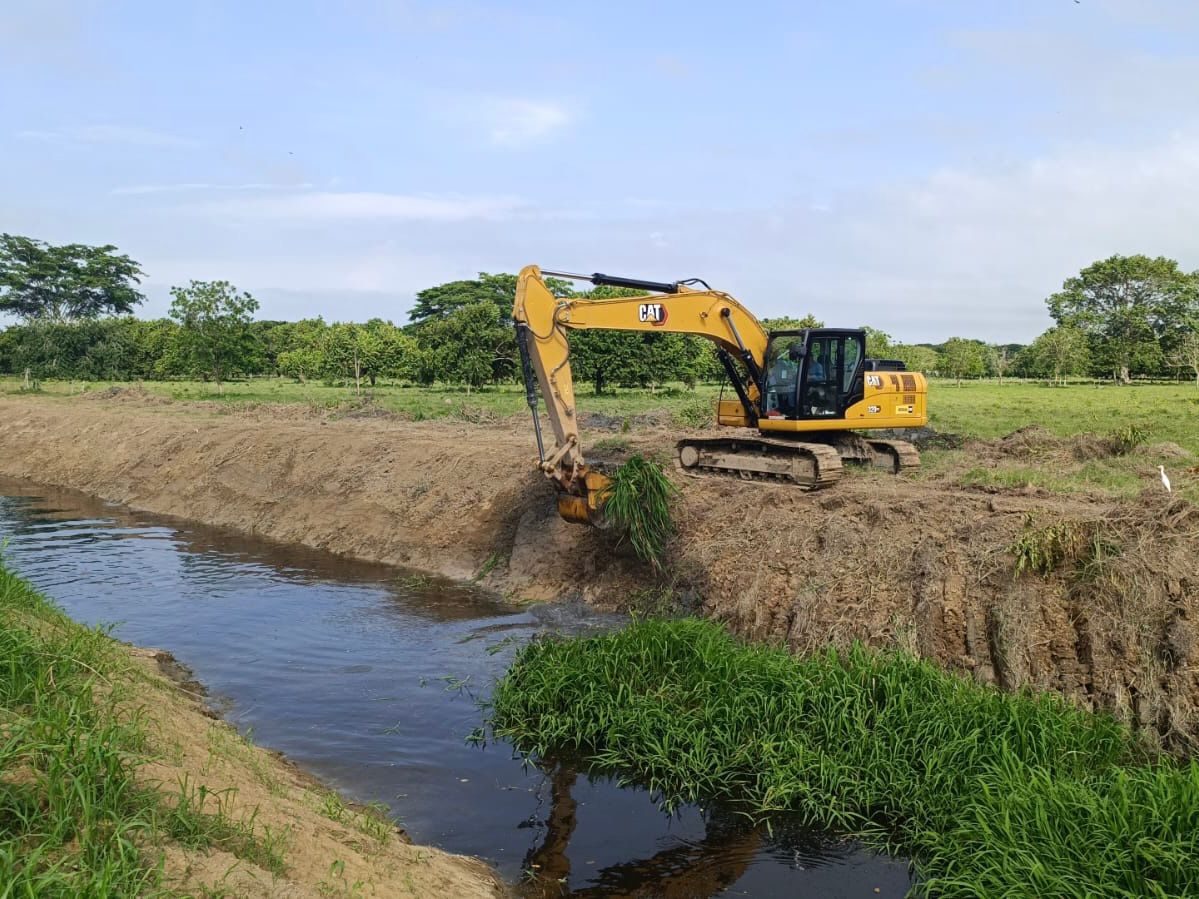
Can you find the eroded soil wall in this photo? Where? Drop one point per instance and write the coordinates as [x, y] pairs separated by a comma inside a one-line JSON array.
[[1105, 610]]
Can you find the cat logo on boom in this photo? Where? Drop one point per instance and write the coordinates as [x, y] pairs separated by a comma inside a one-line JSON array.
[[654, 313]]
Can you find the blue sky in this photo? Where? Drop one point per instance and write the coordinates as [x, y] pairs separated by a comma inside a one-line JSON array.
[[929, 167]]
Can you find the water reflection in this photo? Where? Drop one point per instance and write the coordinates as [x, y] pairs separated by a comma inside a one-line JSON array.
[[724, 855], [368, 677]]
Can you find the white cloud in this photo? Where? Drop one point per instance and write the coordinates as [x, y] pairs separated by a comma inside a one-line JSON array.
[[520, 122], [328, 206], [508, 121], [975, 251], [107, 134]]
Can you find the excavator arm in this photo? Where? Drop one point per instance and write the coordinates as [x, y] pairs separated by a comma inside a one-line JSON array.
[[543, 322]]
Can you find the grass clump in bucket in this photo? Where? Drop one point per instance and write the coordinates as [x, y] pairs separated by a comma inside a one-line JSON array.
[[991, 794], [637, 501]]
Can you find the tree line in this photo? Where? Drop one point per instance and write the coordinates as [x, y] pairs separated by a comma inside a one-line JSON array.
[[1119, 318]]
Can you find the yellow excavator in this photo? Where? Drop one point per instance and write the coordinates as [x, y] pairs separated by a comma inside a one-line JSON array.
[[807, 392]]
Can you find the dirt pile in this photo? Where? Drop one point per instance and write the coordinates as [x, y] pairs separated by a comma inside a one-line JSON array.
[[1089, 596]]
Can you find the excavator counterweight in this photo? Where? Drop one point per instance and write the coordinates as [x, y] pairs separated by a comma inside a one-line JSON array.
[[809, 393]]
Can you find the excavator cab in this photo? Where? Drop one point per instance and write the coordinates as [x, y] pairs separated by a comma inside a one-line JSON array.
[[812, 374]]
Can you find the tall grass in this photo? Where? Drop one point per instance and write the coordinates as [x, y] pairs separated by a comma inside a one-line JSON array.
[[637, 500], [991, 794], [74, 820]]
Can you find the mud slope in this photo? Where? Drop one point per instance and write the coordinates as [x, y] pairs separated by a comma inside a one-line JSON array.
[[1108, 615]]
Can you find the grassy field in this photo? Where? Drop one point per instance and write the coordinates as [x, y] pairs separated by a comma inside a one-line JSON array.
[[985, 409], [417, 403], [1144, 426], [993, 794], [977, 408]]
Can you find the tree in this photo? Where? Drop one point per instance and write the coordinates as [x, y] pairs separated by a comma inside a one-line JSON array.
[[437, 302], [1057, 354], [878, 343], [349, 351], [999, 358], [215, 337], [1186, 353], [470, 345], [397, 353], [153, 348], [40, 282], [296, 347], [914, 357], [354, 352], [788, 323], [1127, 306], [961, 358]]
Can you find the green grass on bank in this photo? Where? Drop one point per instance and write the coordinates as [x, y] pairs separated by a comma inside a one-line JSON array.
[[992, 794], [74, 820]]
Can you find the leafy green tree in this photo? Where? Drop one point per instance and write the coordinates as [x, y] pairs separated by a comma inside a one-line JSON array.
[[878, 343], [348, 351], [41, 282], [603, 357], [353, 352], [962, 358], [88, 349], [296, 347], [914, 357], [1131, 308], [999, 358], [1186, 352], [1057, 354], [788, 323], [664, 357], [427, 364], [396, 352], [215, 337], [470, 345], [438, 302]]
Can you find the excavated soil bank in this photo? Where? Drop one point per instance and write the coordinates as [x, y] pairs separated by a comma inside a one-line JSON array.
[[1090, 596]]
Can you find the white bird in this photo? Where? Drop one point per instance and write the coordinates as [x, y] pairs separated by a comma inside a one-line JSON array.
[[1165, 480]]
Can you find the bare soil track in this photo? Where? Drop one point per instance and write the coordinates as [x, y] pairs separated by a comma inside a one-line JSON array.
[[1092, 597]]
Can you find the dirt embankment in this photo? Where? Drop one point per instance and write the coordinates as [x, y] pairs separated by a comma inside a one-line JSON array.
[[324, 846], [1091, 597]]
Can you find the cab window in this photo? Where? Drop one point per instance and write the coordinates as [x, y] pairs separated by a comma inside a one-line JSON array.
[[823, 377], [853, 356], [782, 370]]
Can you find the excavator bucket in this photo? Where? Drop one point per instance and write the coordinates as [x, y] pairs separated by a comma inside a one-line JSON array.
[[586, 506]]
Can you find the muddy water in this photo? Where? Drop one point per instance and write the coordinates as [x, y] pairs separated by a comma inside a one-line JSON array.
[[369, 678]]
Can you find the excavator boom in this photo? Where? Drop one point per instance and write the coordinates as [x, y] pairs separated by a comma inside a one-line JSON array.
[[806, 391]]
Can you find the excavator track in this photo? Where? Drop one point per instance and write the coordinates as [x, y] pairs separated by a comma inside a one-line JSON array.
[[897, 455], [810, 466]]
